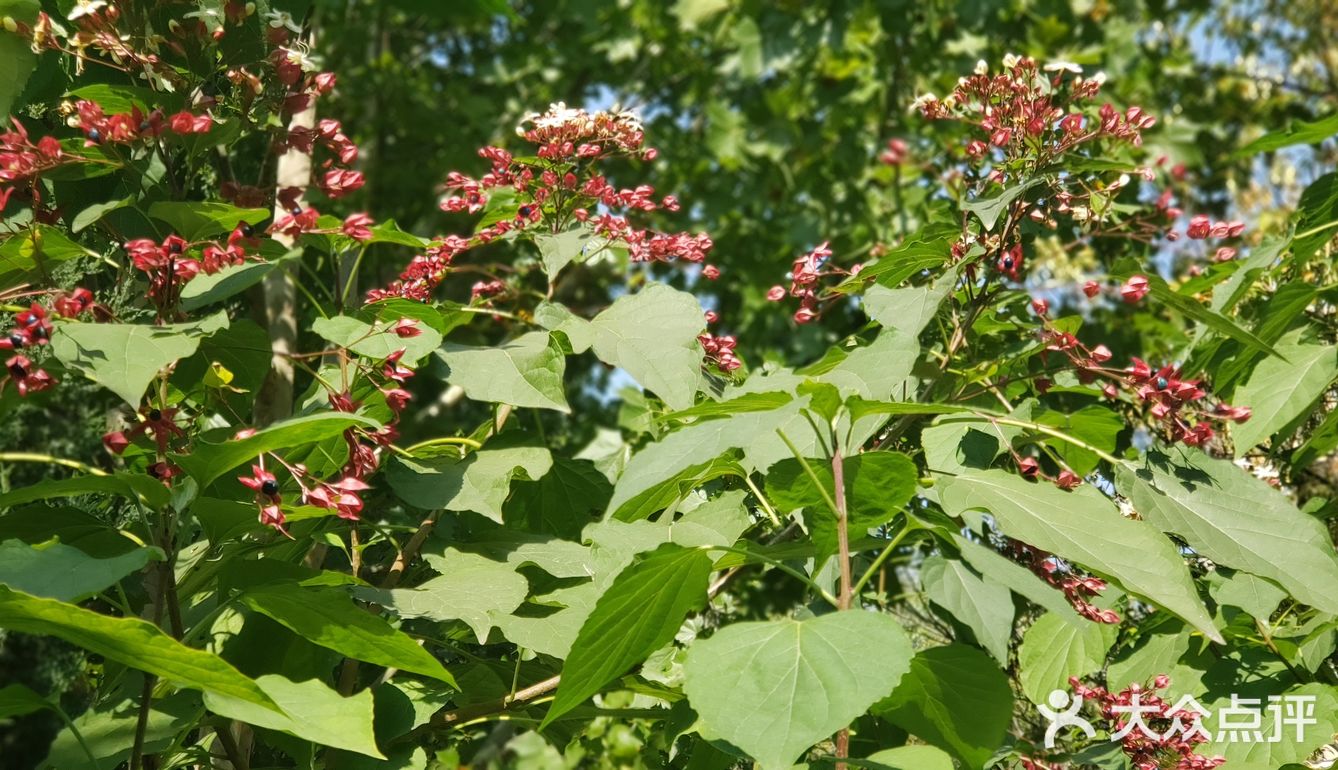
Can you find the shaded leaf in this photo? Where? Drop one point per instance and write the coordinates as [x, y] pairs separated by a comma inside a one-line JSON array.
[[1083, 526], [1236, 520], [57, 571], [943, 686], [131, 641], [328, 617]]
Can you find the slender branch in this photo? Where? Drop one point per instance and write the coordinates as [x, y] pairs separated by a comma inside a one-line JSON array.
[[882, 557], [409, 552], [843, 553], [230, 748], [142, 723]]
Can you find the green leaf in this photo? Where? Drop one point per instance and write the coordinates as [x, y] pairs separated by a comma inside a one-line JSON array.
[[194, 220], [638, 614], [1053, 650], [131, 641], [907, 758], [775, 688], [132, 486], [204, 290], [990, 209], [107, 732], [116, 99], [925, 249], [313, 712], [376, 340], [1083, 526], [1260, 259], [661, 462], [17, 700], [556, 251], [999, 569], [1296, 132], [480, 482], [57, 571], [1316, 217], [16, 56], [1195, 310], [125, 358], [212, 458], [652, 335], [568, 497], [956, 698], [92, 214], [1268, 754], [526, 371], [1157, 653], [721, 521], [470, 587], [1094, 425], [1236, 520], [909, 309], [985, 608], [389, 232], [1278, 391], [326, 616], [1254, 594], [34, 253], [878, 486]]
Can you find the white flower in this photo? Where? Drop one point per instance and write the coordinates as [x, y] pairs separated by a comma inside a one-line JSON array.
[[922, 100], [1063, 66], [982, 67], [86, 8], [277, 19], [1010, 60]]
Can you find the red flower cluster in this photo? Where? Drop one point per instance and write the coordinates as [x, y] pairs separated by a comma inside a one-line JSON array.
[[720, 351], [896, 153], [31, 328], [22, 162], [160, 423], [266, 488], [1023, 105], [127, 127], [1181, 407], [1078, 589], [559, 186], [1028, 116], [1173, 741], [804, 276]]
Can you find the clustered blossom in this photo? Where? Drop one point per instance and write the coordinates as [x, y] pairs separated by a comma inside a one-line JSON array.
[[805, 276], [720, 350], [169, 265], [1078, 589], [32, 328], [1182, 408], [161, 423], [1027, 117], [136, 125], [342, 494], [1168, 742], [560, 187]]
